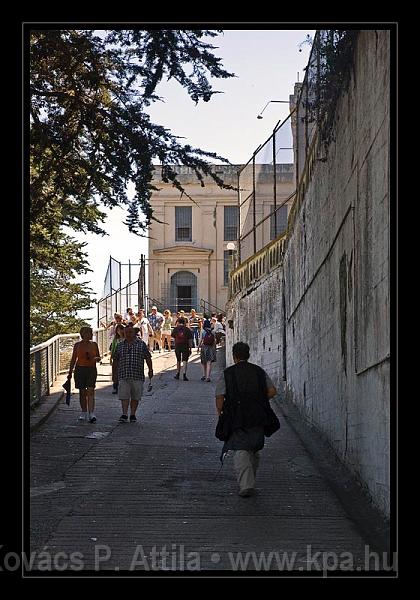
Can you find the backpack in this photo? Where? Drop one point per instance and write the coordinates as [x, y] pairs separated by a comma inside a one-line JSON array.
[[180, 337], [208, 339]]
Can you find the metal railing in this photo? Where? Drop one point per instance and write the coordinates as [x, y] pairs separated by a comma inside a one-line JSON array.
[[185, 304], [129, 296], [208, 308], [256, 266], [161, 306], [268, 181], [266, 184], [52, 358], [173, 304], [119, 274]]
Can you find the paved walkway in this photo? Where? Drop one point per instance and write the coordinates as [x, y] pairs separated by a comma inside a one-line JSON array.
[[145, 496]]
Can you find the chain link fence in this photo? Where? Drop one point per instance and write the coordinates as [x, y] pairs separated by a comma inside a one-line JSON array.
[[119, 274], [119, 296], [130, 296]]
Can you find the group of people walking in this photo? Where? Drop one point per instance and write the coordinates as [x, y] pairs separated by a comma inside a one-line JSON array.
[[184, 332], [244, 389], [132, 340], [156, 329]]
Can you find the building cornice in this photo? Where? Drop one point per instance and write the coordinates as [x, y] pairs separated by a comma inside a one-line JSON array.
[[178, 251]]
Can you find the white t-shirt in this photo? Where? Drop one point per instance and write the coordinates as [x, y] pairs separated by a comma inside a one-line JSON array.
[[218, 327], [144, 329]]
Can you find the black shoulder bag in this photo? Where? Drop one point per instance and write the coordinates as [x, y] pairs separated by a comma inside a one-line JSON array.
[[223, 427], [272, 421]]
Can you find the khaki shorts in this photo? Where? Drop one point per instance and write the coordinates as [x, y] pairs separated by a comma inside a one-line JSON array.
[[130, 389]]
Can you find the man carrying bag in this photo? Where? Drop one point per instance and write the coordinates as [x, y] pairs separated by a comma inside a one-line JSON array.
[[245, 415]]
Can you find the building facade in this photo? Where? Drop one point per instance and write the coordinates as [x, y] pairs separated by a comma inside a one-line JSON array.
[[193, 244]]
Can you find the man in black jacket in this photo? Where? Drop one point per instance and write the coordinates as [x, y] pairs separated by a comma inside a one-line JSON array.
[[243, 391]]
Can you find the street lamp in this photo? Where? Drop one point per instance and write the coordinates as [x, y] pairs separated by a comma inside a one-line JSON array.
[[259, 116], [233, 259]]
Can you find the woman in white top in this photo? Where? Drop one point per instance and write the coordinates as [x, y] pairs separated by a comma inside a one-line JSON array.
[[218, 330], [118, 320], [144, 326], [166, 329]]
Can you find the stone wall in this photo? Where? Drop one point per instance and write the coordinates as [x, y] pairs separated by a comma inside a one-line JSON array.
[[319, 324]]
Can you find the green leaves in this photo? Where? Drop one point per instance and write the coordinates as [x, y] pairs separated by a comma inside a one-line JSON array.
[[90, 137], [54, 303], [328, 77]]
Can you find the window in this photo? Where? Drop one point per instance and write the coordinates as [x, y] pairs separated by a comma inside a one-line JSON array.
[[228, 264], [231, 223], [281, 225], [183, 223]]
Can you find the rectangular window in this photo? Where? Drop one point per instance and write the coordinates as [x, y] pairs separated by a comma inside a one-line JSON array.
[[228, 264], [280, 226], [183, 223], [231, 223]]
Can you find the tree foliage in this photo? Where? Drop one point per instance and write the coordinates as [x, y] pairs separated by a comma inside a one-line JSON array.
[[328, 77], [90, 135], [55, 300]]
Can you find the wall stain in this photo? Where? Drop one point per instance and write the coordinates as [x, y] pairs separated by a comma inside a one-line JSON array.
[[343, 310]]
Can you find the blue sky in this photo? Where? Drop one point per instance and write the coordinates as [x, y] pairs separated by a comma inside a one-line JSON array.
[[267, 63]]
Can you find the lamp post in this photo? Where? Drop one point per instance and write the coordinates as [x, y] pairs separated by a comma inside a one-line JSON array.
[[259, 116], [232, 247]]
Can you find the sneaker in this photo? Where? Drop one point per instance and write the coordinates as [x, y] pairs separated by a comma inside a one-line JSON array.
[[82, 416], [208, 379], [203, 379], [123, 419], [185, 378], [176, 376], [92, 419], [246, 493], [133, 418]]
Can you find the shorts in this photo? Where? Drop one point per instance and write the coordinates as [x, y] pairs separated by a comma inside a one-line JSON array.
[[130, 389], [182, 353], [85, 377]]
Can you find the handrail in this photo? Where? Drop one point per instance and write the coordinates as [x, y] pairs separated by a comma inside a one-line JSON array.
[[51, 358], [203, 304], [257, 265], [51, 340]]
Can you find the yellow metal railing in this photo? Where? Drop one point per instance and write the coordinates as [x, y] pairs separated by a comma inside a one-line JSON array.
[[256, 266]]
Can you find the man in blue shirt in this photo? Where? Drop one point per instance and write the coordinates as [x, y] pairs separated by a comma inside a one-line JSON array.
[[156, 321]]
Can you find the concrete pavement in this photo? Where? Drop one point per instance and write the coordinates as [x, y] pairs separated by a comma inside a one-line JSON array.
[[148, 496]]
